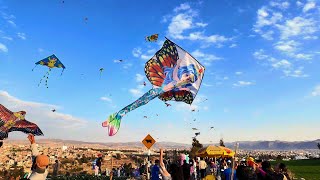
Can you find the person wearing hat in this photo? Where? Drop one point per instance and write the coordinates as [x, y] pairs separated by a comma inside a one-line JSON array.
[[40, 162]]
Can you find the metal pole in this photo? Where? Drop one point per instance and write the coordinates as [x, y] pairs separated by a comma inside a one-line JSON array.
[[233, 159], [148, 176]]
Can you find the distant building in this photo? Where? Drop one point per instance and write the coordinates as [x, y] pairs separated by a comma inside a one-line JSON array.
[[64, 148]]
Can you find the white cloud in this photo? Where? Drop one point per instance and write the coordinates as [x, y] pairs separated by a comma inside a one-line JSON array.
[[3, 48], [243, 83], [127, 65], [264, 18], [233, 45], [299, 4], [282, 5], [297, 26], [316, 91], [202, 24], [286, 46], [225, 78], [136, 92], [260, 54], [238, 73], [7, 38], [22, 35], [207, 85], [184, 21], [104, 98], [136, 52], [40, 50], [303, 56], [310, 37], [179, 24], [267, 35], [41, 114], [139, 77], [310, 5], [184, 6], [207, 59], [298, 73], [12, 23], [283, 64]]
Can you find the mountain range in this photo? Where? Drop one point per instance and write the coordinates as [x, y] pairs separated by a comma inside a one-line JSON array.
[[244, 145]]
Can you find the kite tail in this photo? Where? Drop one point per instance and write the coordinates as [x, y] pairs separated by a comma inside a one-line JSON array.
[[34, 67], [114, 120], [46, 76], [62, 72]]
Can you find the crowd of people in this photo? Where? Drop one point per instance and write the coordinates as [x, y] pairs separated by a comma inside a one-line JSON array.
[[193, 169]]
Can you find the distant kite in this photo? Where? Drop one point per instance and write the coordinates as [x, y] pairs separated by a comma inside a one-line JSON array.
[[51, 62], [101, 69], [152, 38], [118, 61]]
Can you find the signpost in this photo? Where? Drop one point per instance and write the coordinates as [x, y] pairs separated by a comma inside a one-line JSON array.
[[148, 141]]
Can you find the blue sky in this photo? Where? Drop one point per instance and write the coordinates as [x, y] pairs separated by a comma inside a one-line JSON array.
[[261, 58]]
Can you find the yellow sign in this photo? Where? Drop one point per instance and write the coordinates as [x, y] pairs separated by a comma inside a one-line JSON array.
[[148, 141]]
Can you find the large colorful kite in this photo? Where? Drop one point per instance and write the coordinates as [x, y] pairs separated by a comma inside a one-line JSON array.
[[174, 74], [15, 121], [51, 62]]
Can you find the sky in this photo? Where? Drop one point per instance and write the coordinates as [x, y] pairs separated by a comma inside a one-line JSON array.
[[261, 57]]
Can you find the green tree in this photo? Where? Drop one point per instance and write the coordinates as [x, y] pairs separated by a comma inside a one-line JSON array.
[[196, 145], [222, 143]]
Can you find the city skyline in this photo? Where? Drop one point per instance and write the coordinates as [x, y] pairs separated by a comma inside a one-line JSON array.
[[261, 80]]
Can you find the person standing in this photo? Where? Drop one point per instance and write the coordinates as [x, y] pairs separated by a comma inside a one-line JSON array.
[[40, 162], [202, 167], [56, 168], [155, 171]]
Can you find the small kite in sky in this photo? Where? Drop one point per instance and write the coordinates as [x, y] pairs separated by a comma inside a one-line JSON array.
[[101, 69], [51, 62], [144, 83], [167, 104], [118, 61], [152, 38], [53, 110], [193, 110], [86, 20], [15, 121], [197, 134], [174, 74], [195, 129], [211, 127], [145, 116]]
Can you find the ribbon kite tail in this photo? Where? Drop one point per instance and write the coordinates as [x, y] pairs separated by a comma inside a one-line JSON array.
[[114, 120]]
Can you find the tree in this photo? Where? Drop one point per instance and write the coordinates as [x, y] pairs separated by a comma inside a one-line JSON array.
[[196, 145], [222, 143]]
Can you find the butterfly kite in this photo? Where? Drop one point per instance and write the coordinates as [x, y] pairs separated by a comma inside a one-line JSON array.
[[174, 74], [51, 62], [15, 121], [152, 38]]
